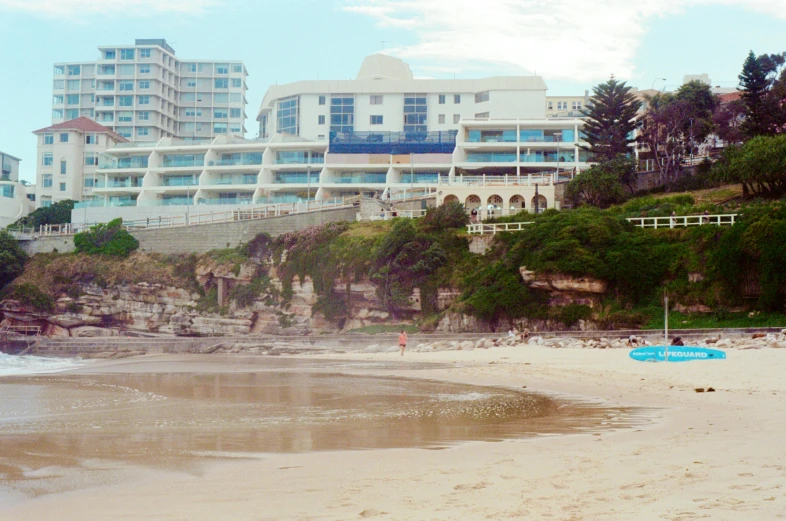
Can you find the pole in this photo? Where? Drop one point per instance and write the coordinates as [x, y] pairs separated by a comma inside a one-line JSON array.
[[308, 183], [411, 175], [666, 325], [188, 205]]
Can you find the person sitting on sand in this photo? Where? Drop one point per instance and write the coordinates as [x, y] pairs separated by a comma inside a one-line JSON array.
[[402, 341], [633, 341], [511, 334], [525, 334], [677, 341]]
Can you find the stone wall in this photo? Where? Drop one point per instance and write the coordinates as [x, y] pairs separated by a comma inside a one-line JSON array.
[[205, 237]]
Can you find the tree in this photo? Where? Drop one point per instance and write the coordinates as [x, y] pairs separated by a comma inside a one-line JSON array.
[[760, 165], [728, 121], [611, 120], [601, 185], [58, 213], [662, 130], [702, 104], [12, 259], [763, 85]]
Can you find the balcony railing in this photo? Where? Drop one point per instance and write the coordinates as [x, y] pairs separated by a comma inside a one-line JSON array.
[[361, 179], [237, 180], [491, 158]]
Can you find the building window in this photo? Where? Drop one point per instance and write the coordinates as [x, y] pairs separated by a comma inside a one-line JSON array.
[[456, 119], [480, 97], [59, 70], [441, 119], [143, 115], [144, 69], [237, 67], [72, 114], [219, 113], [191, 83], [192, 113], [47, 160], [91, 139], [73, 84], [74, 70], [64, 138], [142, 131], [126, 85], [321, 120], [219, 128], [144, 84], [89, 182], [91, 160], [482, 115], [222, 68], [59, 84], [441, 99], [109, 55], [322, 100], [126, 54], [47, 180], [237, 83], [321, 137], [376, 100], [125, 116], [550, 105], [144, 53], [376, 120], [125, 101], [72, 99], [220, 98], [63, 167], [124, 132], [57, 100], [49, 139], [342, 113], [62, 187], [144, 100], [415, 113], [576, 105], [234, 113], [222, 83], [456, 99], [235, 129], [287, 116], [562, 105]]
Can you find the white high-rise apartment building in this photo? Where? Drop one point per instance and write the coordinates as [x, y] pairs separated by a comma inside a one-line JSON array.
[[144, 92], [385, 97]]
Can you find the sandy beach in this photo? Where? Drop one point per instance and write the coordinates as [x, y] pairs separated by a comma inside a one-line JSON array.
[[712, 455]]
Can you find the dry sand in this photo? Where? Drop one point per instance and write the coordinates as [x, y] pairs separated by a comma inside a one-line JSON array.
[[717, 456]]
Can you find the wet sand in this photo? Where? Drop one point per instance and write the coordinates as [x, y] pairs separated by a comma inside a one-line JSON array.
[[706, 455]]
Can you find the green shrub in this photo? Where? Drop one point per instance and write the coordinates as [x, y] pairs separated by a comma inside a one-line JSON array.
[[12, 259], [106, 239], [29, 295]]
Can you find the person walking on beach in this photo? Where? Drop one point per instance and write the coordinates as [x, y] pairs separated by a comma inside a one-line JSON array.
[[402, 341]]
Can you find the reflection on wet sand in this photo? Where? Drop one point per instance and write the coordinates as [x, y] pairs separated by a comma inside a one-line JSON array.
[[62, 432]]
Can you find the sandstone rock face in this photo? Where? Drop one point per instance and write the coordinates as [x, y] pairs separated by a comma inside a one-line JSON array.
[[562, 283]]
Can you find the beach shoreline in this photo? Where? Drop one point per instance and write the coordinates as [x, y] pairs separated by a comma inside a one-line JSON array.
[[713, 455]]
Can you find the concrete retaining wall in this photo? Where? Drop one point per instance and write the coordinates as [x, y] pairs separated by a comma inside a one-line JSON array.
[[205, 237]]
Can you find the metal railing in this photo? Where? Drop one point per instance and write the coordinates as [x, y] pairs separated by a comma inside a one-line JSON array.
[[493, 229], [683, 221], [386, 215], [543, 178]]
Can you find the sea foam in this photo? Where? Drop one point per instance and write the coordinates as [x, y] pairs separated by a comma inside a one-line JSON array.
[[11, 365]]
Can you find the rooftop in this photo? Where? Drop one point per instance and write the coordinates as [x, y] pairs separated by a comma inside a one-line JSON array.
[[81, 124]]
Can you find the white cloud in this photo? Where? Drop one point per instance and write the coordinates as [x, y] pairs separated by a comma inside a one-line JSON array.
[[557, 39], [80, 8]]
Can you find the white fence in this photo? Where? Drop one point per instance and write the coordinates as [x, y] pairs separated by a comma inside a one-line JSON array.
[[507, 180], [682, 221], [492, 229]]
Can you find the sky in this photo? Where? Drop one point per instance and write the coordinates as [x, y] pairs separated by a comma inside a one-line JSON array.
[[573, 44]]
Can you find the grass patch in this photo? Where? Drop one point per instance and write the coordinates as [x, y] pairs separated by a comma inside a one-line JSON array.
[[368, 229]]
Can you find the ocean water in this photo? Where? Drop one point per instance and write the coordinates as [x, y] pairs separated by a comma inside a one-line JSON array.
[[11, 365]]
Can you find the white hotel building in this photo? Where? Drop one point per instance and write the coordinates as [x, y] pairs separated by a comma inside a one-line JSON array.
[[481, 142], [14, 200], [144, 92]]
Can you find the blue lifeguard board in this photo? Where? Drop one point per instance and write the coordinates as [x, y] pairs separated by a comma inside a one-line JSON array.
[[676, 354]]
